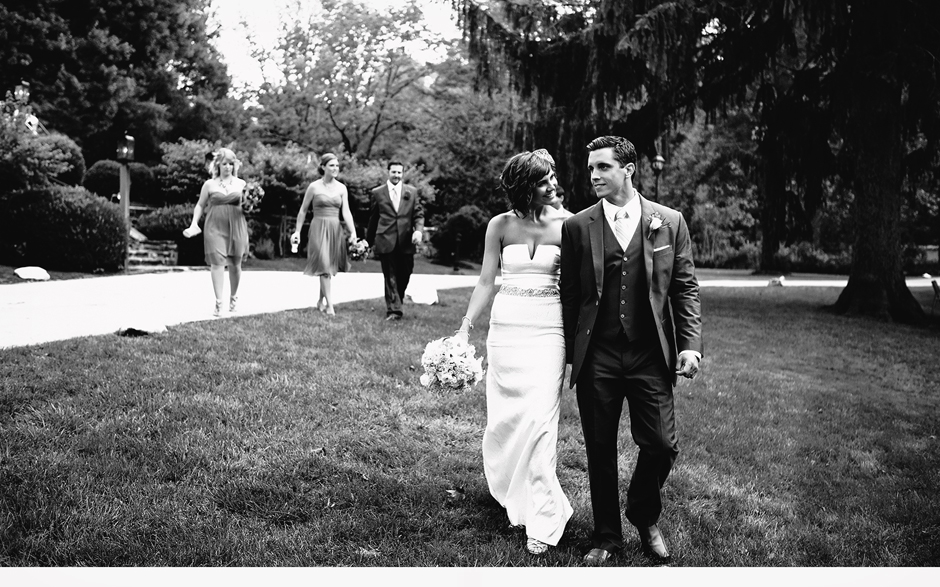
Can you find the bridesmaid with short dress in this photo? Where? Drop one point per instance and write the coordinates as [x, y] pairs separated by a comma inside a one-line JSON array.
[[326, 247], [226, 231]]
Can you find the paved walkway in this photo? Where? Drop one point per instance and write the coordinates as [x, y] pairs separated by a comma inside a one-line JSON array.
[[37, 312]]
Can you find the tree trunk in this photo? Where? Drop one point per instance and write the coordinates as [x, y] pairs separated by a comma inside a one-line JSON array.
[[876, 284], [772, 205]]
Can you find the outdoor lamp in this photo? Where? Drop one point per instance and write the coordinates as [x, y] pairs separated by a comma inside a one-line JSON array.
[[658, 164], [125, 149], [21, 92]]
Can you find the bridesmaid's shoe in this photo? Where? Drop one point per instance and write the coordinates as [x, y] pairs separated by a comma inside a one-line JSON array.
[[330, 312], [232, 304], [321, 305], [218, 309], [536, 547]]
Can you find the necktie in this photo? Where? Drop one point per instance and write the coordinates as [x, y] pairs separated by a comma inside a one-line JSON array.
[[620, 228], [395, 198]]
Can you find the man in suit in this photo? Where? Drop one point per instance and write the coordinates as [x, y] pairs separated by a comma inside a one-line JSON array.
[[395, 226], [632, 324]]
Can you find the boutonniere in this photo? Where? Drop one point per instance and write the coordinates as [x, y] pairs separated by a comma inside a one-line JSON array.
[[656, 222]]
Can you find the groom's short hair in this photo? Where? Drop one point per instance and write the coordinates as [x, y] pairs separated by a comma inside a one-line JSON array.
[[624, 151]]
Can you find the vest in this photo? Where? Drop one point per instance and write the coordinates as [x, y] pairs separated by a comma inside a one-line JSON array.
[[624, 306]]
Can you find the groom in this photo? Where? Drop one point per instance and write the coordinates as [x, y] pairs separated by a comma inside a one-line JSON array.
[[632, 325]]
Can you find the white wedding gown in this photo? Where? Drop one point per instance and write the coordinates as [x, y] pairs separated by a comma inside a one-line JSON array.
[[526, 367]]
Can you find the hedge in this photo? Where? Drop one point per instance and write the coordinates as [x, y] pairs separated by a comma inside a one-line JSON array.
[[62, 228]]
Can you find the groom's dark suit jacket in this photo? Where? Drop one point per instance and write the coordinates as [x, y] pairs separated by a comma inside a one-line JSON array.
[[670, 281]]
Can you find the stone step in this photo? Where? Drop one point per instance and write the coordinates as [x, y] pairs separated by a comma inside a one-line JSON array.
[[152, 253]]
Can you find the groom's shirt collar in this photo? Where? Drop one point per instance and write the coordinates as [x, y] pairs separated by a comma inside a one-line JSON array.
[[632, 207]]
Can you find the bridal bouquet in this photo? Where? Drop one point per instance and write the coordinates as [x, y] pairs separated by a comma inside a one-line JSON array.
[[358, 250], [450, 365], [251, 198]]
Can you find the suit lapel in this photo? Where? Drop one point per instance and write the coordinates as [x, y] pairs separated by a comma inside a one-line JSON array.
[[646, 211], [596, 233]]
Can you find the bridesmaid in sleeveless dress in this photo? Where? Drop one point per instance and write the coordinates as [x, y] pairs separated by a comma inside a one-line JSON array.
[[525, 352], [326, 247], [226, 231]]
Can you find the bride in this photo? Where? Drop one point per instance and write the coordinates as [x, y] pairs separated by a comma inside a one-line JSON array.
[[525, 351]]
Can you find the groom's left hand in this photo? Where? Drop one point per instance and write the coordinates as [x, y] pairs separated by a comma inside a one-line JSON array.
[[688, 364]]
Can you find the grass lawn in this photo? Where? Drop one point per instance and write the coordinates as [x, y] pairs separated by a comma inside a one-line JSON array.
[[291, 439]]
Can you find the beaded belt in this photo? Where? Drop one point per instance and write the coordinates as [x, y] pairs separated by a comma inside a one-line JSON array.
[[529, 292]]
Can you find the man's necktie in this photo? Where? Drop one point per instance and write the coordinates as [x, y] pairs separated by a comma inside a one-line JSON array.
[[395, 198], [620, 228]]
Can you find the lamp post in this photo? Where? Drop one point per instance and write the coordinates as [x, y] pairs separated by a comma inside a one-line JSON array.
[[125, 154], [657, 164]]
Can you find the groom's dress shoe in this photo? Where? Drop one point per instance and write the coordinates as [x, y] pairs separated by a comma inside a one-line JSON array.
[[654, 546], [597, 557]]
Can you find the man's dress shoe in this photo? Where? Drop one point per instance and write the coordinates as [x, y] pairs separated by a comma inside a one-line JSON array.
[[654, 546], [597, 557]]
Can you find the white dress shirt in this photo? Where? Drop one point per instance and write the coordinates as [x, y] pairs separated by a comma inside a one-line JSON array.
[[632, 221], [394, 191]]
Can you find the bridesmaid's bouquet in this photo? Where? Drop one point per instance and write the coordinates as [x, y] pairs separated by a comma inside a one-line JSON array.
[[251, 198], [450, 365], [358, 250]]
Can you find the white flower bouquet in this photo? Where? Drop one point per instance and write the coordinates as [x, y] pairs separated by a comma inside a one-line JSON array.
[[251, 197], [358, 250], [450, 365]]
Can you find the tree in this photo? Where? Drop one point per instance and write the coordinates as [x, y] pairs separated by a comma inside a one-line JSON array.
[[880, 104], [349, 78], [108, 66], [640, 63], [588, 68]]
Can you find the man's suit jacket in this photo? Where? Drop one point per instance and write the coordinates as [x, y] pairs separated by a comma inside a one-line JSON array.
[[670, 277], [389, 229]]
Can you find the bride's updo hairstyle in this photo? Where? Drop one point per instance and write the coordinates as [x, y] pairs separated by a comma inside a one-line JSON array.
[[519, 178], [221, 156], [324, 161]]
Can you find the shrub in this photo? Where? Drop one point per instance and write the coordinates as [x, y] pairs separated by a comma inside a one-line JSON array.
[[28, 160], [63, 228], [747, 256], [70, 153], [165, 223], [804, 257], [263, 248], [284, 175], [180, 175], [104, 179], [469, 225]]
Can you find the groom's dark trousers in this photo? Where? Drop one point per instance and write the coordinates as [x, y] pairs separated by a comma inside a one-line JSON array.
[[625, 362]]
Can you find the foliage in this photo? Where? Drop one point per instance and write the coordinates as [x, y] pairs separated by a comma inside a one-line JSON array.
[[348, 78], [166, 223], [28, 160], [256, 442], [182, 170], [463, 140], [104, 179], [71, 155], [284, 173], [588, 68], [143, 66], [65, 228], [462, 234]]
